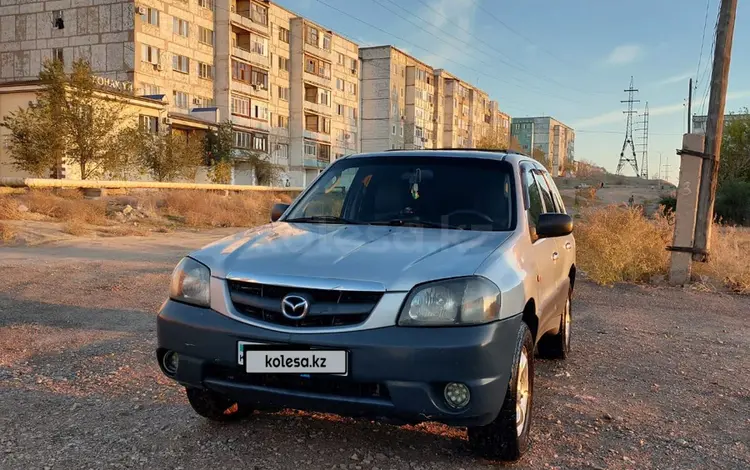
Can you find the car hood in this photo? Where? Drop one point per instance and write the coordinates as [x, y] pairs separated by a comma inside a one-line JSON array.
[[391, 258]]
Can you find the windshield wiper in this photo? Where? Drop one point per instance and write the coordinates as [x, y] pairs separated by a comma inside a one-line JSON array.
[[414, 223], [316, 219]]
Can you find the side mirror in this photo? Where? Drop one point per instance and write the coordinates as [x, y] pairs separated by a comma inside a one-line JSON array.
[[277, 211], [554, 225]]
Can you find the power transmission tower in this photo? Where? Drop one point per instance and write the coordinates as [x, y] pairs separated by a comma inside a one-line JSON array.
[[629, 132], [643, 142]]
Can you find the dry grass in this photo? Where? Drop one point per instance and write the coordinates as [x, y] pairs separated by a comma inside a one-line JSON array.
[[7, 234], [76, 228], [124, 231], [620, 244], [210, 209], [727, 260], [9, 208]]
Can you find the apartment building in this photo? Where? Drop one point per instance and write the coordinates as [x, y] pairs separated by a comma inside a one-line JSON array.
[[398, 100], [289, 86], [700, 121], [552, 138]]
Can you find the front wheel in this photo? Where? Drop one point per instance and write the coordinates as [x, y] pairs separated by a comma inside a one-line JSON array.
[[216, 407], [507, 437]]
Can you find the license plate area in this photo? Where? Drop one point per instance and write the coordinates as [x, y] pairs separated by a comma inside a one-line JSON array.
[[263, 358]]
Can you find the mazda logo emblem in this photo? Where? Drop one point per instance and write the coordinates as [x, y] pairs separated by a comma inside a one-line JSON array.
[[294, 307]]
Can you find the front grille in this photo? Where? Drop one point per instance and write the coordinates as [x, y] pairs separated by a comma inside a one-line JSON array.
[[328, 308], [324, 385]]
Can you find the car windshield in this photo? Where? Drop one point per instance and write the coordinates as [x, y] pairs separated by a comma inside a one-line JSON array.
[[433, 192]]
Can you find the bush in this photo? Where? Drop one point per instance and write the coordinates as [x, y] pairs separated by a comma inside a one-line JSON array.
[[620, 244], [727, 261], [733, 202], [669, 203]]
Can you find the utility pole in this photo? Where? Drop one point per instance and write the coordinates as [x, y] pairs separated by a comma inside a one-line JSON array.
[[714, 129], [690, 104]]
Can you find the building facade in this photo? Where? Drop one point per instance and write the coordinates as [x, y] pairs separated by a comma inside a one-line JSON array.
[[552, 138], [699, 121], [290, 87], [407, 104]]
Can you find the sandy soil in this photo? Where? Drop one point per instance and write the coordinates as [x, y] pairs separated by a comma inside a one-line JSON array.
[[657, 379]]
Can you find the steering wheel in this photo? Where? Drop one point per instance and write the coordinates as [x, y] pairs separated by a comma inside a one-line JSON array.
[[481, 215]]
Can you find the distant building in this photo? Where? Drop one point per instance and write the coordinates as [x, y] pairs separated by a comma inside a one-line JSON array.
[[699, 121], [548, 135]]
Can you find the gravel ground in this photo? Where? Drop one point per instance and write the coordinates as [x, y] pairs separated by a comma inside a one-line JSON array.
[[658, 379]]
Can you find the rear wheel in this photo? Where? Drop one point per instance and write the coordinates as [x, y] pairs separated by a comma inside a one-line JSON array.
[[558, 346], [507, 437], [216, 407]]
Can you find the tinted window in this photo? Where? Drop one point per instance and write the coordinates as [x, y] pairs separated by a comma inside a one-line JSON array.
[[440, 191], [555, 193], [545, 192], [535, 201]]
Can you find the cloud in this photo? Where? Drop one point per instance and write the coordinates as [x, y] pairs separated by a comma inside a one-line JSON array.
[[674, 79], [619, 117], [624, 54]]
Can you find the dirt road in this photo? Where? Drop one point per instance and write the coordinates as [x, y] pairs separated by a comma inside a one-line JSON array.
[[658, 379]]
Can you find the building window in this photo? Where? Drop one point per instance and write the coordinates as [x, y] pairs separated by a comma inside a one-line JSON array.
[[259, 111], [312, 36], [57, 54], [324, 153], [324, 97], [260, 142], [311, 149], [281, 152], [353, 64], [240, 105], [150, 54], [180, 63], [259, 45], [205, 71], [203, 102], [393, 129], [206, 4], [283, 122], [327, 42], [180, 27], [181, 99], [284, 93], [258, 14], [340, 109], [283, 63], [242, 139], [339, 84], [245, 73], [259, 78], [205, 36], [149, 89], [149, 123], [324, 69], [351, 88], [151, 16], [57, 19], [284, 35], [342, 59]]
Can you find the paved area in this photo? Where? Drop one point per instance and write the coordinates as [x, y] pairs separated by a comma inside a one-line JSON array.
[[658, 379]]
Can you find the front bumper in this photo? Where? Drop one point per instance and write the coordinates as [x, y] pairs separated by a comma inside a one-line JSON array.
[[394, 372]]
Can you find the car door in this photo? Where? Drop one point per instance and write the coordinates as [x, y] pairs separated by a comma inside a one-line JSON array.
[[551, 259], [567, 243], [543, 250]]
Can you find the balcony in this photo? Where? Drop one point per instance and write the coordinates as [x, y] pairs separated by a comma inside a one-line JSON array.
[[319, 52], [314, 163], [251, 123], [249, 15], [251, 57], [251, 90], [316, 108], [317, 80], [318, 136], [315, 98]]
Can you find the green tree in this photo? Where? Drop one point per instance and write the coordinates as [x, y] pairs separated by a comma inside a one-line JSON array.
[[71, 121], [493, 141], [219, 145], [539, 155], [735, 150], [169, 155]]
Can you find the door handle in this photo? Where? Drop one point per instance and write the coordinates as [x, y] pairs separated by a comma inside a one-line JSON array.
[[568, 245], [555, 255]]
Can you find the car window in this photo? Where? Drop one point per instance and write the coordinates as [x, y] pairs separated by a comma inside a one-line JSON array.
[[560, 206], [544, 190], [475, 194], [532, 189]]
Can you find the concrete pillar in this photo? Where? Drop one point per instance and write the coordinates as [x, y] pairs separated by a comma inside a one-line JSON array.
[[687, 204]]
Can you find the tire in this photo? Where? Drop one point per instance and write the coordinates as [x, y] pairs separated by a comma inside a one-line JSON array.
[[503, 439], [216, 407], [558, 346]]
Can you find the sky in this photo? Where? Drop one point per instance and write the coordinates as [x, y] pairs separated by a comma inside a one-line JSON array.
[[567, 59]]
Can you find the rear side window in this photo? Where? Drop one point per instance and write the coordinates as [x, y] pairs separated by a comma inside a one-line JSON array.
[[531, 187], [545, 192], [555, 194]]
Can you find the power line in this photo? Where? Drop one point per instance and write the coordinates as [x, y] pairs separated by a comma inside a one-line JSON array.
[[703, 40], [493, 77]]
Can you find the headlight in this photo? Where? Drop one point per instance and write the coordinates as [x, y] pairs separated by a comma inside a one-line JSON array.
[[190, 283], [464, 301]]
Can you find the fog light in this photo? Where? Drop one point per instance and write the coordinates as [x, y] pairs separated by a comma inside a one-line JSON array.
[[457, 395], [170, 361]]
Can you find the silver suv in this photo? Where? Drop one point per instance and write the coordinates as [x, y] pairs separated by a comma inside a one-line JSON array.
[[409, 285]]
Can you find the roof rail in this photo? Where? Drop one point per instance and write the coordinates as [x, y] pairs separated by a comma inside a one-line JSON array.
[[467, 149]]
